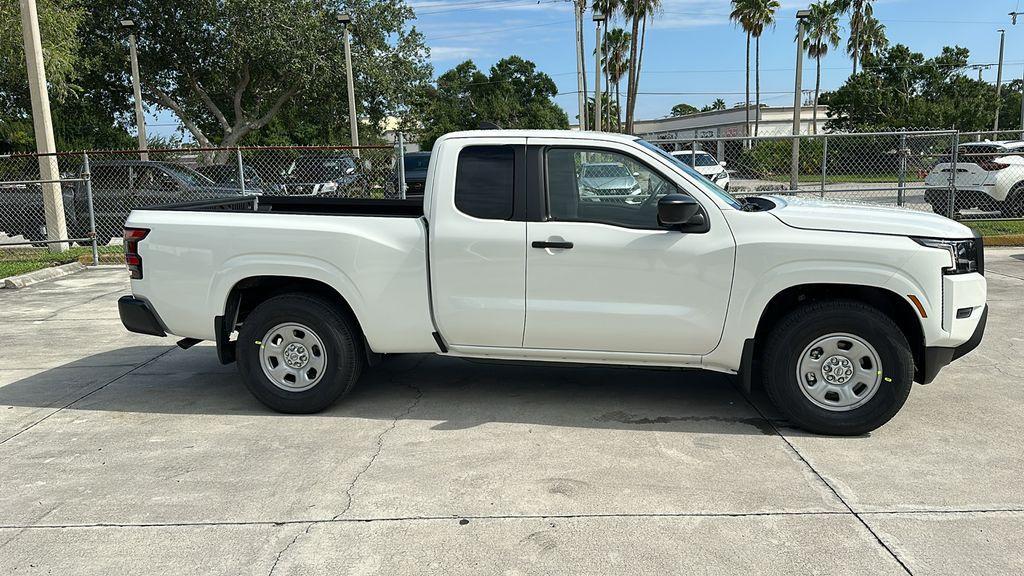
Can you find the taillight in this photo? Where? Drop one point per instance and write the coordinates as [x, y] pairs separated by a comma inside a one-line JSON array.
[[991, 165], [132, 236]]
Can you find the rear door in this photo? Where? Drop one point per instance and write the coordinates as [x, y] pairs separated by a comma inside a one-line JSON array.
[[477, 242]]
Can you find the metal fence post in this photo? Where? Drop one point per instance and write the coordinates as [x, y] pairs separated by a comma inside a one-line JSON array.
[[951, 194], [241, 170], [901, 191], [87, 177], [401, 165], [824, 163]]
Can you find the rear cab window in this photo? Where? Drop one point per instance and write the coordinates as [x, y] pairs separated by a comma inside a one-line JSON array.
[[485, 182]]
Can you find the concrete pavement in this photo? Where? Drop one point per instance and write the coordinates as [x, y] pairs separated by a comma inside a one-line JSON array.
[[120, 453]]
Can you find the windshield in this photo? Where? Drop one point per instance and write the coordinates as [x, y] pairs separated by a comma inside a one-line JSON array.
[[704, 183], [698, 159], [605, 171], [188, 175], [417, 163]]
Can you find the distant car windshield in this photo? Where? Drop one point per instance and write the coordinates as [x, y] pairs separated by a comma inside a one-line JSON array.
[[698, 159], [417, 163], [706, 184], [188, 175], [605, 171]]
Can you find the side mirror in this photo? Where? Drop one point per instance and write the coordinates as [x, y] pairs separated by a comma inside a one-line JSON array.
[[677, 209], [723, 163]]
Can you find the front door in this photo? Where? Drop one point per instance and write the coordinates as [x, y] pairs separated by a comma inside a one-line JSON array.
[[602, 275]]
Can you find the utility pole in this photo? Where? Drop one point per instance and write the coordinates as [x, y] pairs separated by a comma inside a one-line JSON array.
[[581, 80], [999, 79], [345, 19], [140, 117], [1013, 21], [598, 96], [794, 169], [49, 173]]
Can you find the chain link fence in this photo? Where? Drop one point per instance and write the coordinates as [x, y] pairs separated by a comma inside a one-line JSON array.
[[966, 176], [98, 189]]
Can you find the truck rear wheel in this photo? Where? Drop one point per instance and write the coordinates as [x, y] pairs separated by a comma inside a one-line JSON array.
[[298, 353], [838, 367]]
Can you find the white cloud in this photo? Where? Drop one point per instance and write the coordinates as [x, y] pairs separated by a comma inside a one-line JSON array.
[[448, 53]]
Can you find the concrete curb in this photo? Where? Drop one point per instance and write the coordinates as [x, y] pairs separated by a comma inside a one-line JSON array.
[[42, 275]]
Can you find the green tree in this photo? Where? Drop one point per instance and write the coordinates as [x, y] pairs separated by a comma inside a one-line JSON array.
[[228, 69], [754, 16], [870, 38], [513, 95], [822, 33], [899, 89], [718, 104], [860, 13], [682, 109], [616, 53]]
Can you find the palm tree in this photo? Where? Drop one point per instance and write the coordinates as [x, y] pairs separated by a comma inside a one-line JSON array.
[[616, 52], [871, 38], [860, 11], [609, 8], [754, 16], [638, 11], [822, 33], [718, 104]]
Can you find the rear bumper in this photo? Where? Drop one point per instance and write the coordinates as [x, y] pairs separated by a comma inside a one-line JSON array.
[[137, 316], [935, 358]]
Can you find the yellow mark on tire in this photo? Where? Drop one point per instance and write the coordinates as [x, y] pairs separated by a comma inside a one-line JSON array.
[[887, 379]]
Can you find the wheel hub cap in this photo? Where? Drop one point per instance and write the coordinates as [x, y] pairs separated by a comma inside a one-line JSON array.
[[839, 372], [295, 355]]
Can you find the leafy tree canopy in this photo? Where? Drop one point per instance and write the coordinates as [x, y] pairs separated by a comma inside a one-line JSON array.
[[900, 88], [513, 95], [682, 109]]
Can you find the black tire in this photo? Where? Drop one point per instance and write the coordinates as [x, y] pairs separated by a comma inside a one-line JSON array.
[[341, 340], [795, 332], [1013, 206]]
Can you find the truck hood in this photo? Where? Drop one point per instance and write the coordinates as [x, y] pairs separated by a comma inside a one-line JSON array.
[[810, 214]]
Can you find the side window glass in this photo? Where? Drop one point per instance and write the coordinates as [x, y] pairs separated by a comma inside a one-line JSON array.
[[485, 181], [588, 185]]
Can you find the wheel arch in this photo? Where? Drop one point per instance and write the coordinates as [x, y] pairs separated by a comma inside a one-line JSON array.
[[888, 302], [248, 293]]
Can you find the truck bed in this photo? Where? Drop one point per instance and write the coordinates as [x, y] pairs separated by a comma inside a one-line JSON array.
[[313, 205]]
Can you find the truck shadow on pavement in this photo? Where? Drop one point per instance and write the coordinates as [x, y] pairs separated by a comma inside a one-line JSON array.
[[450, 393]]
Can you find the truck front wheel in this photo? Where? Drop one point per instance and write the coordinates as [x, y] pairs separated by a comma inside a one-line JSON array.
[[298, 353], [838, 367]]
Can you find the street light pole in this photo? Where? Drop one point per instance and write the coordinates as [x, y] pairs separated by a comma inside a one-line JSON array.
[[140, 117], [345, 19], [49, 173], [598, 96], [999, 79], [581, 80], [794, 169]]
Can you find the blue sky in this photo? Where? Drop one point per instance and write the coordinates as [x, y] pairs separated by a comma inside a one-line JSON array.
[[692, 47]]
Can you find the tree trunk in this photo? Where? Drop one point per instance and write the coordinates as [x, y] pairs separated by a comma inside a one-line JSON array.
[[618, 106], [757, 85], [817, 89], [632, 74], [856, 40], [746, 103], [639, 66]]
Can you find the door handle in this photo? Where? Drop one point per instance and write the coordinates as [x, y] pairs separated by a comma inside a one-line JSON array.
[[547, 244]]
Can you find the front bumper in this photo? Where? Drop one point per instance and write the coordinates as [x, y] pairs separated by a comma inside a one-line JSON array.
[[137, 316], [936, 358]]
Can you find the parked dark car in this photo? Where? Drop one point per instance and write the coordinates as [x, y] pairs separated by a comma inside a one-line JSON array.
[[227, 175], [336, 175], [416, 164]]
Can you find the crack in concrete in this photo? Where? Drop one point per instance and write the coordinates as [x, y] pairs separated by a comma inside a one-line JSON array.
[[831, 488], [380, 437], [584, 516], [277, 559]]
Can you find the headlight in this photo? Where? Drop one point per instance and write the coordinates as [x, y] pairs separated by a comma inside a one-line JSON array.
[[327, 188], [966, 255], [721, 175]]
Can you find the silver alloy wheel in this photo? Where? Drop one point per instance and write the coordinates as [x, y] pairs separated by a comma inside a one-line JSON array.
[[839, 372], [293, 357]]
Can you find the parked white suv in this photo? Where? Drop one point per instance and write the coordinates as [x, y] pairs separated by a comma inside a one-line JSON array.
[[989, 178], [706, 165]]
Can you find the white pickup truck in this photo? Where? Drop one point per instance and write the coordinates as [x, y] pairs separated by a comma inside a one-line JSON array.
[[836, 309]]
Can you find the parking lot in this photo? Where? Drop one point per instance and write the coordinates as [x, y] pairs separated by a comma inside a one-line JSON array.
[[120, 453]]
